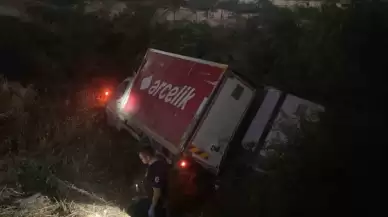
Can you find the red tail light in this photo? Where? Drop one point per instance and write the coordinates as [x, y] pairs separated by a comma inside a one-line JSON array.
[[103, 96], [183, 164]]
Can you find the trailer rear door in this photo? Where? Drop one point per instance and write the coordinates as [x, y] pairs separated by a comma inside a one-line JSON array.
[[210, 143]]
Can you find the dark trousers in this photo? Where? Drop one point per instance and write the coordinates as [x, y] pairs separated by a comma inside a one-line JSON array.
[[139, 208]]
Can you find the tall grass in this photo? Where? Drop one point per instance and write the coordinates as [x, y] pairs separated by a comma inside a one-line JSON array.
[[52, 144]]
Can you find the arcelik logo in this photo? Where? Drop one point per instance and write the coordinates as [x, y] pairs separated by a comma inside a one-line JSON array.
[[174, 95]]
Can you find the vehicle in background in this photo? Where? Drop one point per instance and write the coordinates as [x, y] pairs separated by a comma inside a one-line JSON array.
[[193, 110]]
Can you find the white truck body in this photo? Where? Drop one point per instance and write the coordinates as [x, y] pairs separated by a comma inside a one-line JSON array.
[[221, 121]]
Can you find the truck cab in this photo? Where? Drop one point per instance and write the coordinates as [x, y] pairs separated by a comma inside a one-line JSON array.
[[114, 115]]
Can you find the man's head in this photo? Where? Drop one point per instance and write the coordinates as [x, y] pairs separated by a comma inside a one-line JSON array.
[[147, 154]]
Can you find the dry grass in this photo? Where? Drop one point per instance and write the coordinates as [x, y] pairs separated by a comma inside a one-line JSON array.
[[43, 138], [38, 205]]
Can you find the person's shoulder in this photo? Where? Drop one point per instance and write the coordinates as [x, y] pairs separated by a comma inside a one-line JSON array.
[[157, 163], [160, 164]]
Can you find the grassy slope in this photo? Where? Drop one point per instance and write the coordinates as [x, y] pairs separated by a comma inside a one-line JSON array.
[[43, 140]]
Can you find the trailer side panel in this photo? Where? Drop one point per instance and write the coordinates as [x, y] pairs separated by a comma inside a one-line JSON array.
[[167, 94]]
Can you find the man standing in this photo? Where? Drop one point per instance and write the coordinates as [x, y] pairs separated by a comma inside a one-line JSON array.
[[156, 182]]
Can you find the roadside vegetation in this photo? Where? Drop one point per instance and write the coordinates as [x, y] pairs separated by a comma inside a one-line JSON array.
[[60, 151], [56, 150]]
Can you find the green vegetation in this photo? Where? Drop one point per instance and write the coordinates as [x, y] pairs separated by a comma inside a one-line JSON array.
[[321, 54]]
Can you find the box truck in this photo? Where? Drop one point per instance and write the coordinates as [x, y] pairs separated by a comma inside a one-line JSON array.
[[189, 108]]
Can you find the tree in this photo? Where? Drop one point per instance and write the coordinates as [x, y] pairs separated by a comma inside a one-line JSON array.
[[201, 5], [208, 6], [194, 7], [230, 5], [175, 5]]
